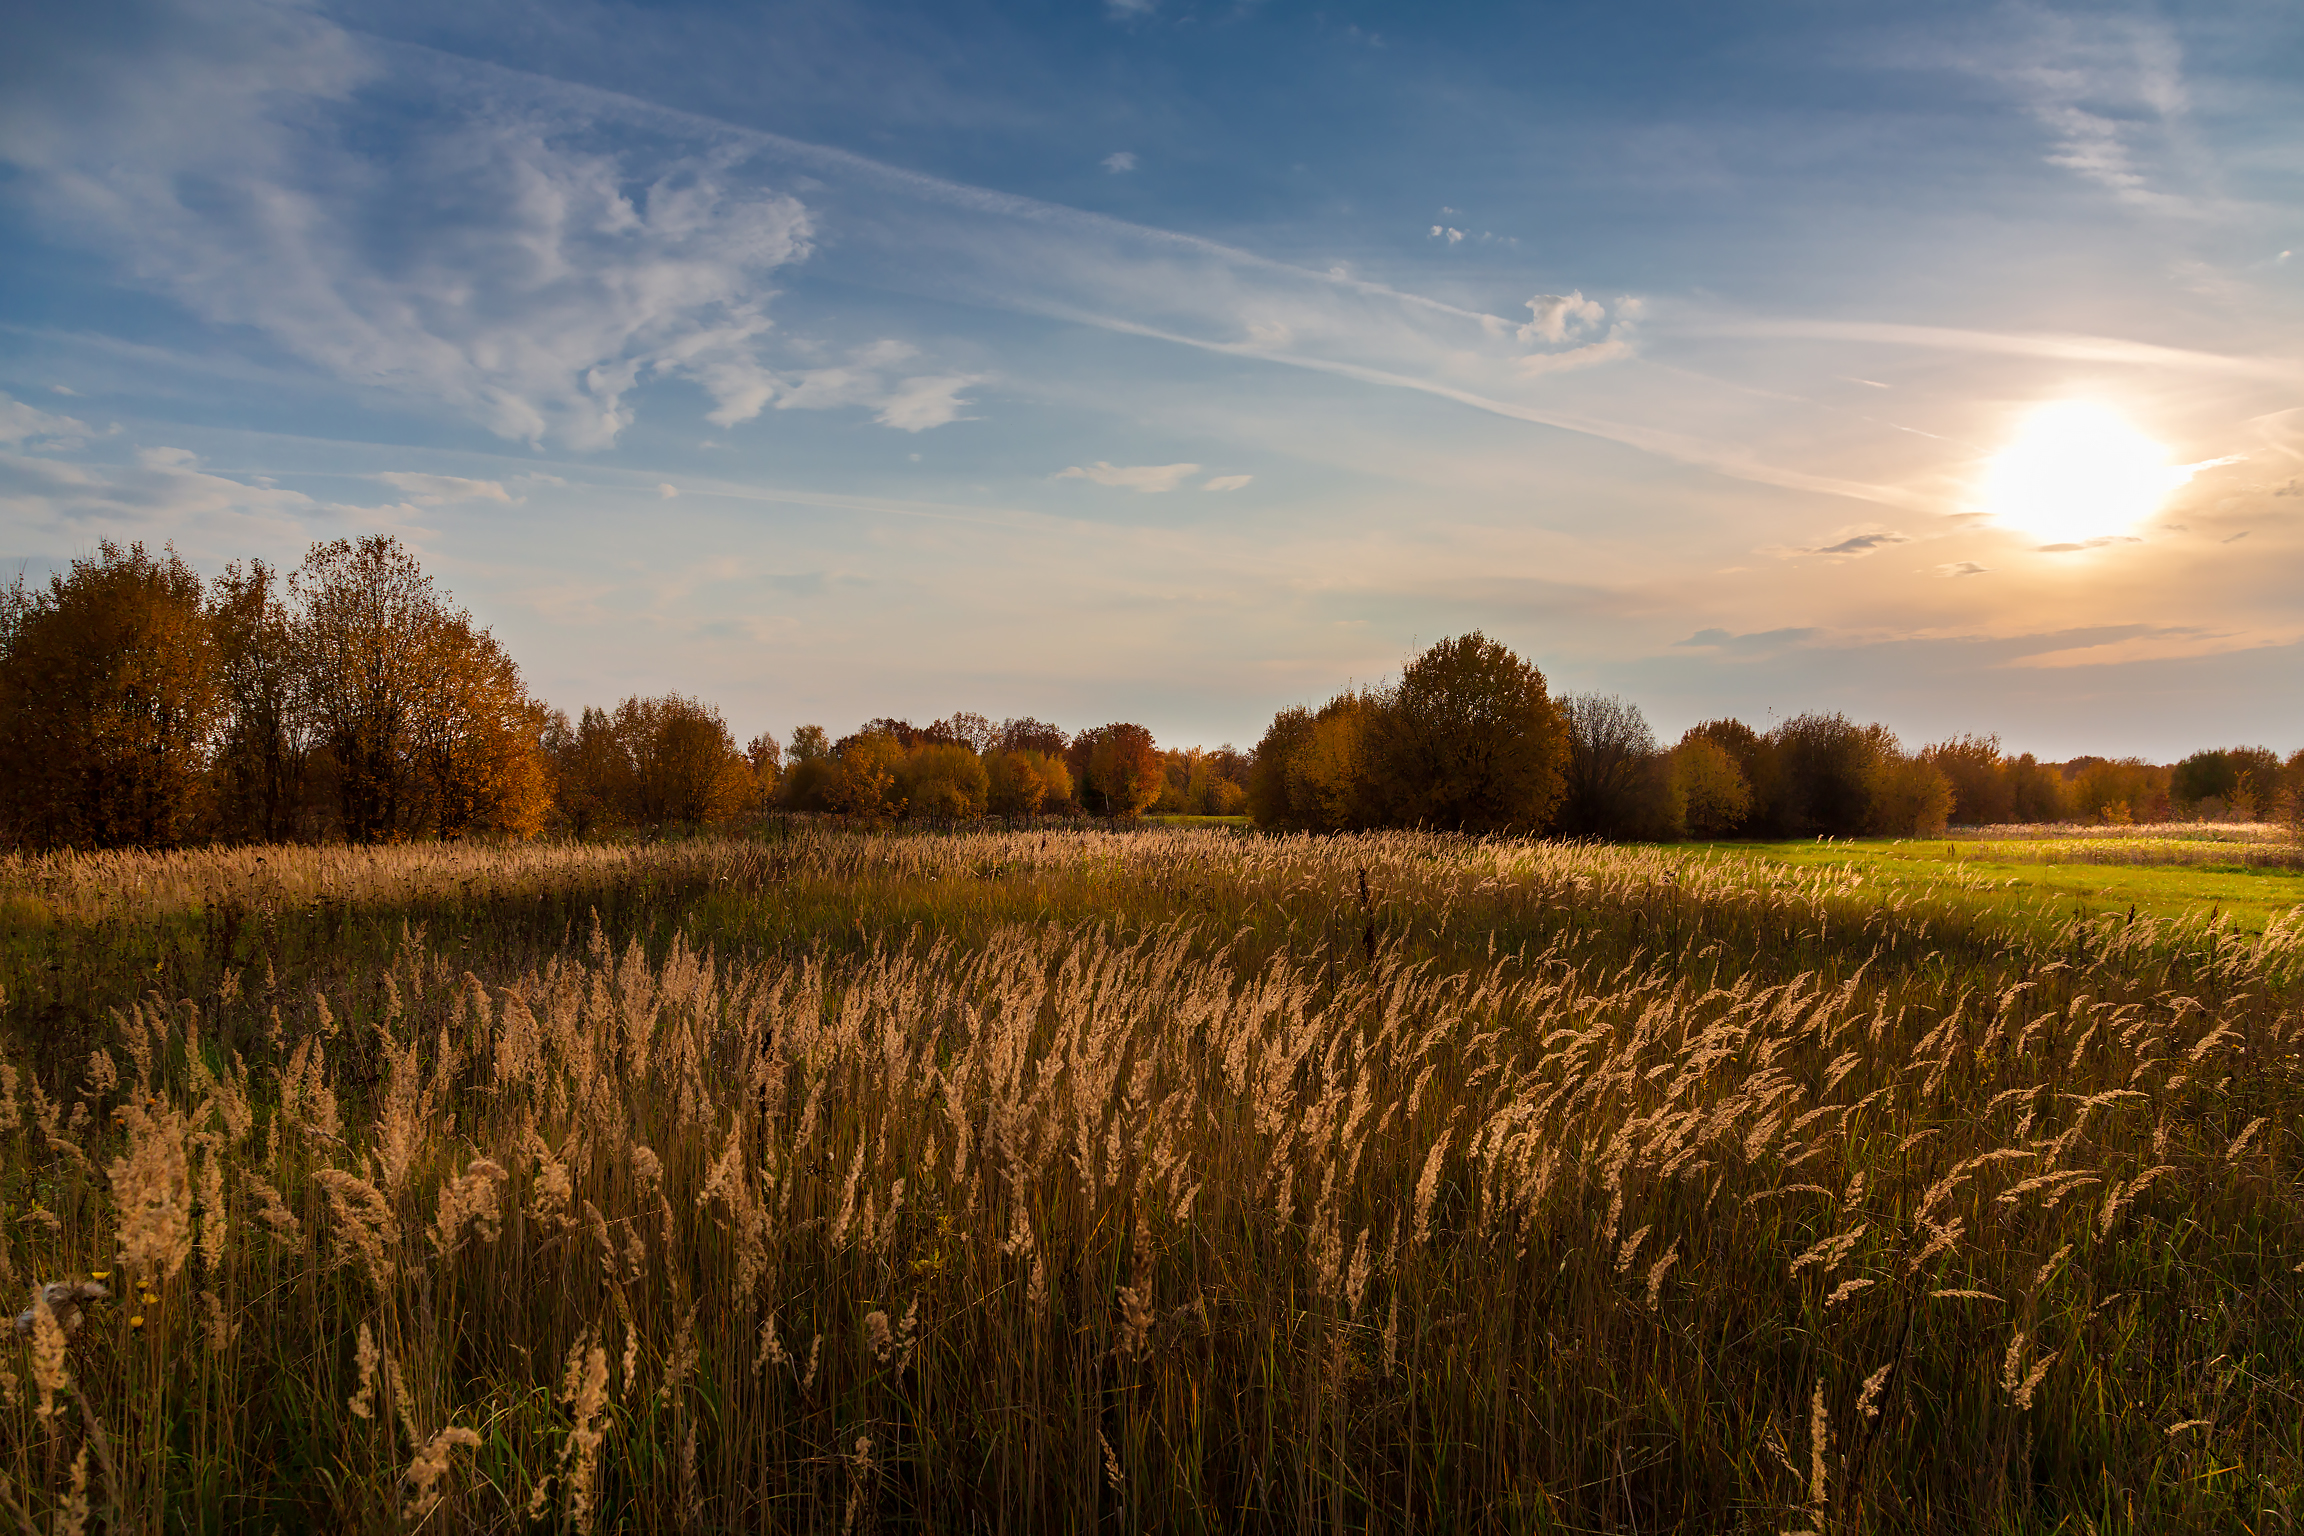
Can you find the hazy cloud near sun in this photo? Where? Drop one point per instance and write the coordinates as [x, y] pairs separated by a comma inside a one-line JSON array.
[[1862, 543]]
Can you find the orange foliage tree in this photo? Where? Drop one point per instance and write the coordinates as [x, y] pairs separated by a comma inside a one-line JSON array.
[[107, 700]]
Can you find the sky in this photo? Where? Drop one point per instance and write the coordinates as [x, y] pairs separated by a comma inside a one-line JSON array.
[[1177, 362]]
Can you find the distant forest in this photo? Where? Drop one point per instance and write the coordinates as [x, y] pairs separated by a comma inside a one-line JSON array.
[[351, 700]]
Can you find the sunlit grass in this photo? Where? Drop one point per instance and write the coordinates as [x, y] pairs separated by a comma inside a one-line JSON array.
[[2053, 879], [1172, 1179]]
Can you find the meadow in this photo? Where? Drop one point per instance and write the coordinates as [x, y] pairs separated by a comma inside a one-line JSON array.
[[2048, 874], [1177, 1178]]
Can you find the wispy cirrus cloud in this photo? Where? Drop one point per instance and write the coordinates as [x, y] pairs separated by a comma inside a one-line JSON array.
[[20, 423], [1132, 477], [434, 490]]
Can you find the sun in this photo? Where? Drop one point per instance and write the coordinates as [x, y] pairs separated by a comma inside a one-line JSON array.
[[2076, 470]]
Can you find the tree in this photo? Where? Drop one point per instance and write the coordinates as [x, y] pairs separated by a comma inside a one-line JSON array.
[[812, 772], [684, 766], [1828, 764], [2116, 791], [1117, 768], [2036, 791], [1983, 793], [259, 768], [864, 784], [942, 779], [2233, 782], [1269, 803], [1026, 782], [1608, 744], [108, 697], [1911, 797], [965, 728], [476, 742], [1469, 739], [1714, 797], [420, 718], [1327, 772], [1030, 735], [1756, 761]]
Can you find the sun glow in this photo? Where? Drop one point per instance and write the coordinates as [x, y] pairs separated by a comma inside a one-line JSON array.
[[2077, 470]]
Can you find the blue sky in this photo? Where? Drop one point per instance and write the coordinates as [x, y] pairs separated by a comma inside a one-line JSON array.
[[1178, 362]]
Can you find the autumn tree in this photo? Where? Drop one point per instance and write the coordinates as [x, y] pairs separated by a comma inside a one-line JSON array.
[[2036, 791], [1030, 735], [1911, 797], [1330, 788], [107, 700], [811, 771], [1470, 740], [1606, 783], [2234, 783], [1983, 793], [765, 755], [263, 751], [422, 715], [589, 769], [1715, 799], [943, 779], [1024, 782], [1270, 804], [1826, 764], [863, 783], [1757, 764], [684, 768], [1117, 768]]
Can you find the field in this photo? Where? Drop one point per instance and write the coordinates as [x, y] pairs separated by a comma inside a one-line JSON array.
[[1174, 1179], [2049, 875]]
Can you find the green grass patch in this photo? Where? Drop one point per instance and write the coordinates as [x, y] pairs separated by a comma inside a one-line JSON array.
[[2027, 880]]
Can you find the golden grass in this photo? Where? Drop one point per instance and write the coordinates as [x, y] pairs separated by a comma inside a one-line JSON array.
[[1193, 1218]]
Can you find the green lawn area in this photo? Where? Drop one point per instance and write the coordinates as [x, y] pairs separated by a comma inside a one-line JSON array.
[[2038, 886]]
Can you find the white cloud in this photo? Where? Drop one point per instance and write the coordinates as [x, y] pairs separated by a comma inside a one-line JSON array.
[[21, 423], [1225, 482], [1539, 363], [493, 257], [1119, 162], [667, 490], [1558, 315], [1137, 477], [164, 494], [2110, 92], [917, 404], [432, 490], [1962, 568]]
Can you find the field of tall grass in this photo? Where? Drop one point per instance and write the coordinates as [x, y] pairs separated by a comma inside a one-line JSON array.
[[1179, 1179]]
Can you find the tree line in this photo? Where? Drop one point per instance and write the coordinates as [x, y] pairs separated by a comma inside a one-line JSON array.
[[351, 700], [1470, 738]]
